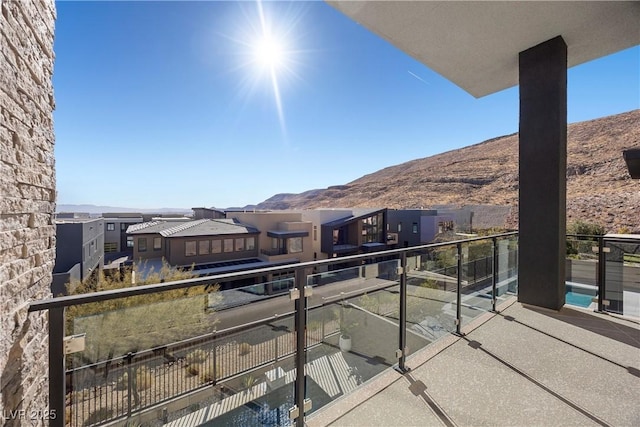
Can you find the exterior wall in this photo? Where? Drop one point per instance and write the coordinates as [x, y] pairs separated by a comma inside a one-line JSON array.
[[176, 250], [318, 217], [118, 236], [150, 253], [282, 221], [80, 242], [27, 203]]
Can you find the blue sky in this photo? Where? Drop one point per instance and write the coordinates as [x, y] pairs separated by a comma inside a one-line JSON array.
[[165, 104]]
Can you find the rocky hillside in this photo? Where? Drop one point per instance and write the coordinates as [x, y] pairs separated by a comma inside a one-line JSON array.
[[599, 188]]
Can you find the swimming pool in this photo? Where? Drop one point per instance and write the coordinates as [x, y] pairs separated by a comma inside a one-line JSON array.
[[579, 295]]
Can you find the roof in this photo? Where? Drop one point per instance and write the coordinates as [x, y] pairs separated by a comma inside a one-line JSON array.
[[191, 228], [356, 215], [476, 44]]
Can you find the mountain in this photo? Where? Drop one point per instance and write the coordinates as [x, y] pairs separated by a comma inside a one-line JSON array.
[[599, 188], [93, 209]]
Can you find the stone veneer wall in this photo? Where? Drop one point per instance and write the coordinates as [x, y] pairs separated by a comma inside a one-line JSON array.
[[27, 203]]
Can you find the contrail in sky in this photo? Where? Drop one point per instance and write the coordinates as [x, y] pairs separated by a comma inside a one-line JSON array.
[[419, 78]]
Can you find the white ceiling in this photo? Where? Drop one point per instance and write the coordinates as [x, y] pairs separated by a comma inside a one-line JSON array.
[[476, 44]]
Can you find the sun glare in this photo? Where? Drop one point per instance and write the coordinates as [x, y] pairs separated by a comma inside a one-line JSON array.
[[269, 53], [267, 37]]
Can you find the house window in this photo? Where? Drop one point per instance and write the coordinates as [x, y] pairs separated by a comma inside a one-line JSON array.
[[142, 244], [157, 243], [240, 244], [203, 247], [228, 245], [275, 243], [295, 245], [124, 226], [216, 246], [129, 242], [251, 243], [315, 233], [415, 228], [190, 248], [111, 226], [399, 227]]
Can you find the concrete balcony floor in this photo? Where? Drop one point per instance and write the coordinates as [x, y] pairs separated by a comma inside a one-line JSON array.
[[525, 366]]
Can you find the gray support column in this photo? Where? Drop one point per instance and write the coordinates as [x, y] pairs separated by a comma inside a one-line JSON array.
[[543, 184]]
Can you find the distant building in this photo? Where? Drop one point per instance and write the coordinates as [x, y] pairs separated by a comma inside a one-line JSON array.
[[211, 246], [115, 231], [79, 251], [208, 213], [356, 231], [415, 227], [284, 236]]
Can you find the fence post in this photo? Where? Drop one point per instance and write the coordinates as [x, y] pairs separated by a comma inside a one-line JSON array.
[[402, 336], [459, 290], [301, 352], [57, 375], [215, 362], [601, 274], [494, 283], [128, 358]]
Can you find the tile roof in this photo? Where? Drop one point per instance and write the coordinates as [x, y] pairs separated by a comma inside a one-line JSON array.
[[188, 228]]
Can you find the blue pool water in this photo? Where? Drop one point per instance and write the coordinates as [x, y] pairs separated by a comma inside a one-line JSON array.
[[581, 300]]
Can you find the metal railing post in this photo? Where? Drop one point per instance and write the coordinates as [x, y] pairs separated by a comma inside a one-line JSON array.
[[56, 367], [301, 351], [494, 282], [601, 273], [402, 336], [128, 358], [459, 290]]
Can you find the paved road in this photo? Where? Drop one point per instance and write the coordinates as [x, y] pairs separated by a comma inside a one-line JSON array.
[[282, 304]]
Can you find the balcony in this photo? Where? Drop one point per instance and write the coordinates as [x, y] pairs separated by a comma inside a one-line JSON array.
[[426, 335]]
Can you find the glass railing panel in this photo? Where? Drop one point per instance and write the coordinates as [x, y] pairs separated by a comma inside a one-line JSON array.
[[196, 356], [622, 277], [507, 280], [582, 271], [431, 295], [352, 329], [477, 279]]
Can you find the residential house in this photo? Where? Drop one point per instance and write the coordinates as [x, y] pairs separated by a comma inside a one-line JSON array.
[[79, 251]]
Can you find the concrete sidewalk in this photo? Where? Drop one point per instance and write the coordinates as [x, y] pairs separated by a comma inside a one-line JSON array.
[[525, 366]]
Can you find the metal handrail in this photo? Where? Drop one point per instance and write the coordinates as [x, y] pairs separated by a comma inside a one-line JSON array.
[[69, 300]]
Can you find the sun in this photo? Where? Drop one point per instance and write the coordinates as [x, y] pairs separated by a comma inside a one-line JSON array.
[[269, 49], [269, 52]]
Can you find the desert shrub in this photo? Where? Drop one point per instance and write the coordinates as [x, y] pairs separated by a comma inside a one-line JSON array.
[[208, 374], [98, 416], [244, 348], [144, 379], [584, 227], [196, 356], [193, 369]]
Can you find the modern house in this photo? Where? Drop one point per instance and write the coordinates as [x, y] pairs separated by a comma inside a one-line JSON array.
[[285, 235], [360, 231], [209, 246], [79, 251], [115, 231], [415, 227]]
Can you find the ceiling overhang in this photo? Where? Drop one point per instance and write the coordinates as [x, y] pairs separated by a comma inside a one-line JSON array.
[[476, 44]]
